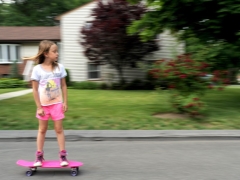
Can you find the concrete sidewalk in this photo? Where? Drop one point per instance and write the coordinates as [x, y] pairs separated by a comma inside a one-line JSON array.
[[122, 135], [14, 94]]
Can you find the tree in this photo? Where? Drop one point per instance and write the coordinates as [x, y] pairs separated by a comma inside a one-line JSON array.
[[14, 70], [207, 19], [9, 16], [211, 22], [106, 40], [35, 13], [221, 55]]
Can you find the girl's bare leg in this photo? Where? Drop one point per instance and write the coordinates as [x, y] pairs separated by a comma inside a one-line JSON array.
[[60, 134], [42, 129]]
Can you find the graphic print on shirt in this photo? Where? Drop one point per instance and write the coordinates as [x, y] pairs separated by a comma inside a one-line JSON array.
[[50, 91]]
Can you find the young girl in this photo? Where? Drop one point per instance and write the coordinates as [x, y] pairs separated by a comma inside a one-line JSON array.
[[50, 95]]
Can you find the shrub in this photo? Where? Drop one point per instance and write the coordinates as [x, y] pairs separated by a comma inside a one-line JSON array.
[[68, 78], [152, 83], [12, 83], [117, 86], [104, 86], [14, 71], [86, 85], [190, 104], [135, 84], [186, 78], [148, 85]]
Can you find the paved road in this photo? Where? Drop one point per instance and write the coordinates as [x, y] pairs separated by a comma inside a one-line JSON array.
[[131, 160]]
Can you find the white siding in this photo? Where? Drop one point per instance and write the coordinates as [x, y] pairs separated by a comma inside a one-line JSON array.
[[74, 59], [169, 47], [72, 54], [29, 49], [111, 75]]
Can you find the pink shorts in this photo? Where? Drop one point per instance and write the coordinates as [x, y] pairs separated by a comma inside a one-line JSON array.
[[54, 111]]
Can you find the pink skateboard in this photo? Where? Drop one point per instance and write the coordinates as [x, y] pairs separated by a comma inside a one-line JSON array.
[[74, 165]]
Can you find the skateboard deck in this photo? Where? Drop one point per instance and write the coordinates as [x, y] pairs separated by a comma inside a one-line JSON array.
[[74, 165]]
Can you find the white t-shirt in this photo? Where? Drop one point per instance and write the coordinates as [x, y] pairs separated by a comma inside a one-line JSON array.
[[49, 89]]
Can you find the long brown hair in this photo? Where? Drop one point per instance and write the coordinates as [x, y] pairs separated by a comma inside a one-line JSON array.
[[44, 47]]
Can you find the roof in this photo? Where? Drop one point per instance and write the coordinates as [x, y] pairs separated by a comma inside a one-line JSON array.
[[60, 16], [29, 33]]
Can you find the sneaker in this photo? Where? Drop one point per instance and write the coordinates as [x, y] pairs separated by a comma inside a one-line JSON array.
[[39, 159], [63, 159]]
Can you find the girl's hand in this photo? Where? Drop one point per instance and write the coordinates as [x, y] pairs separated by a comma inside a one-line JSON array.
[[65, 107], [40, 112]]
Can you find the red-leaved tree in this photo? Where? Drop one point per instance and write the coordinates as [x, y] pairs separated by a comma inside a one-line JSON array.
[[106, 41]]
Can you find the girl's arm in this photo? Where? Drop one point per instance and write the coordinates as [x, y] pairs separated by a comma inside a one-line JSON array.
[[36, 98], [64, 93]]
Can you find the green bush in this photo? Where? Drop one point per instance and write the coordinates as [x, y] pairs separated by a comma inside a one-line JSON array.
[[190, 104], [148, 85], [186, 78], [14, 70], [104, 86], [135, 84], [12, 83], [85, 85], [68, 78], [117, 86]]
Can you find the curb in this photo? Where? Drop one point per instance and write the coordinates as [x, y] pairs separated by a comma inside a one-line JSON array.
[[122, 135]]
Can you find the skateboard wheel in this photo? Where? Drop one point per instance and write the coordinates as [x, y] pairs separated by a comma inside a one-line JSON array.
[[33, 169], [74, 172], [29, 173]]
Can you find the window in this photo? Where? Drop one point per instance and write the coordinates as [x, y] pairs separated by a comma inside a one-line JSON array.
[[0, 53], [9, 53], [17, 53], [93, 71], [88, 25]]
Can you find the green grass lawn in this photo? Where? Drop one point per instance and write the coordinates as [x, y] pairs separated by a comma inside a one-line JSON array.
[[124, 110], [2, 91]]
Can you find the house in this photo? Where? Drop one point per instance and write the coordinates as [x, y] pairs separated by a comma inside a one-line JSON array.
[[18, 42], [78, 64]]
